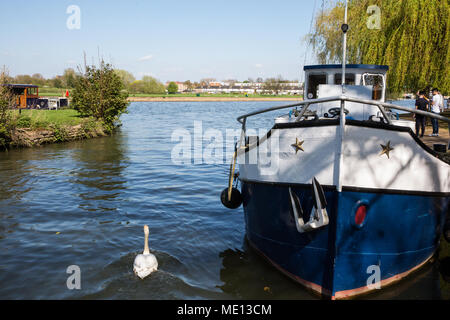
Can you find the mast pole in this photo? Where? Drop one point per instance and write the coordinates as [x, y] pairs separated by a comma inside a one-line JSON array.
[[344, 46], [338, 173]]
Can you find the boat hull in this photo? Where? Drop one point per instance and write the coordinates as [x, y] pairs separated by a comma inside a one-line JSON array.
[[399, 234]]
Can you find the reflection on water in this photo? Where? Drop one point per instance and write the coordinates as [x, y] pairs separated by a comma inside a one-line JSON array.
[[246, 275], [98, 189], [85, 202]]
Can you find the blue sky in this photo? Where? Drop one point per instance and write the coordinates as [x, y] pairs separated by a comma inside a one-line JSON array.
[[170, 40]]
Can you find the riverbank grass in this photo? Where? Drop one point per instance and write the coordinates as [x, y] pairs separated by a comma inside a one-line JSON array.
[[38, 127], [43, 119]]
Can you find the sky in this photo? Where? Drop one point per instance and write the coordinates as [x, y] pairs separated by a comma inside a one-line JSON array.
[[171, 40]]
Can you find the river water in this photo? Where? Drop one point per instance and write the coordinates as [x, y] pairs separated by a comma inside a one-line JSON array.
[[84, 203]]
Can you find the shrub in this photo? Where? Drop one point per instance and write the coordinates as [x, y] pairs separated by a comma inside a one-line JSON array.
[[6, 101], [5, 137], [89, 127], [60, 132], [99, 92], [23, 122]]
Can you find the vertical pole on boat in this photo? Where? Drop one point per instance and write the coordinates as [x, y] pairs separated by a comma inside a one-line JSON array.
[[344, 46], [243, 132], [342, 117]]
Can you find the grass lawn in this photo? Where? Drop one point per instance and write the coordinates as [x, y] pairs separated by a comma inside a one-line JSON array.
[[43, 118]]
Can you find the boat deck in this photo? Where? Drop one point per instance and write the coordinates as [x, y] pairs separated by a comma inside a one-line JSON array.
[[444, 136]]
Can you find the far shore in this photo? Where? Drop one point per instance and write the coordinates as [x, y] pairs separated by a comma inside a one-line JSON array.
[[203, 98]]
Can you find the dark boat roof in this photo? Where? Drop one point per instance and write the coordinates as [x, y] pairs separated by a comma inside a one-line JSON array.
[[14, 85], [348, 66]]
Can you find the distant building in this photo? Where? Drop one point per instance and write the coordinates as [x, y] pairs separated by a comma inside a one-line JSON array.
[[181, 86], [216, 84], [291, 88]]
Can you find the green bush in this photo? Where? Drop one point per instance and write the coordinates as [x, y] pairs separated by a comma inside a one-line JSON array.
[[5, 137], [23, 122], [60, 132], [6, 100], [172, 88], [100, 93], [89, 127]]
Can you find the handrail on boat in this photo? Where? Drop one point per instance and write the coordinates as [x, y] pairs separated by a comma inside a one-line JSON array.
[[381, 105]]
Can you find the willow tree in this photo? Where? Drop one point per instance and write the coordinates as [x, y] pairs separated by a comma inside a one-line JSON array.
[[412, 38]]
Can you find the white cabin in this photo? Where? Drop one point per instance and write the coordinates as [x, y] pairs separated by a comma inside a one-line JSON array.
[[366, 82]]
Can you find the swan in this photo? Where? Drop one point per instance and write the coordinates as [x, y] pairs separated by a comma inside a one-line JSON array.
[[145, 263]]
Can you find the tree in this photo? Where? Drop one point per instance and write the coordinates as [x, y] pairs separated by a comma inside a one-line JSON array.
[[6, 102], [147, 85], [23, 79], [153, 86], [126, 77], [56, 82], [99, 92], [137, 86], [37, 79], [207, 81], [189, 85], [413, 40], [172, 88], [273, 85], [69, 77]]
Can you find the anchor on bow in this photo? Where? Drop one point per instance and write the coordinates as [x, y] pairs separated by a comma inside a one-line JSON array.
[[318, 217]]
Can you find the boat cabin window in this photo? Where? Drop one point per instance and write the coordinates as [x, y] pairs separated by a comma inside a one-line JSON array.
[[349, 79], [377, 81], [18, 91], [31, 91], [314, 80]]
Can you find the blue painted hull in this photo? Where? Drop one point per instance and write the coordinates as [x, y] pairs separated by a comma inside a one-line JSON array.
[[399, 234]]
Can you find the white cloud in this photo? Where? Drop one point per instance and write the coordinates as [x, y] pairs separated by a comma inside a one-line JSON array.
[[71, 62], [258, 65], [145, 58]]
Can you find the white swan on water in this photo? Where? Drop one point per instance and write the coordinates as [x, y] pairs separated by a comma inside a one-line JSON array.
[[145, 263]]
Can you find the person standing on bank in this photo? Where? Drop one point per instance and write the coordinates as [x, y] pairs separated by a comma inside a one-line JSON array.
[[421, 104], [435, 108], [442, 103]]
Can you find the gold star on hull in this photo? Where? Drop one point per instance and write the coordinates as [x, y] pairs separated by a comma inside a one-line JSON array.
[[298, 145], [386, 149]]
